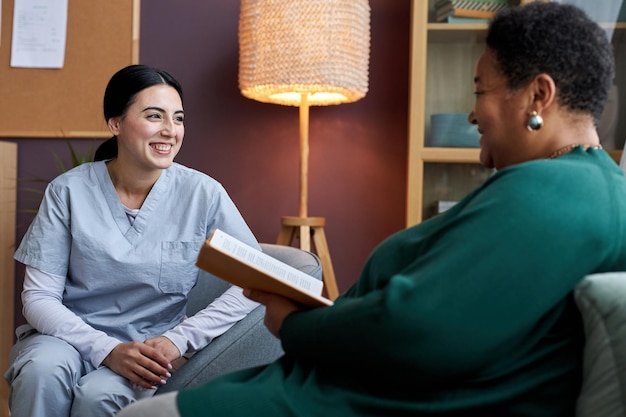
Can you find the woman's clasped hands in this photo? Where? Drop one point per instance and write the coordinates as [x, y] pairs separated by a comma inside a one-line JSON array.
[[146, 364]]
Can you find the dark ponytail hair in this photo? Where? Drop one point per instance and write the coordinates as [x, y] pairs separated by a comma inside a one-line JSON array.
[[121, 92]]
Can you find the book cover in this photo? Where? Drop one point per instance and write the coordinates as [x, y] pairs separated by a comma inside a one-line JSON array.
[[472, 4], [465, 20], [480, 9], [232, 260]]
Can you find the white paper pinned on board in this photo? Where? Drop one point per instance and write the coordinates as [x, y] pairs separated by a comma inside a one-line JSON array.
[[39, 33]]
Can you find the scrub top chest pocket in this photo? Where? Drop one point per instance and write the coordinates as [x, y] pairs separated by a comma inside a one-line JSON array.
[[178, 272]]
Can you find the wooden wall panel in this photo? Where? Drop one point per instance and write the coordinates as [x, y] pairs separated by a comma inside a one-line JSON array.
[[8, 188]]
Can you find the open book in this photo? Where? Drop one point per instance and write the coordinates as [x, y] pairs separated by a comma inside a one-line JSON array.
[[232, 260]]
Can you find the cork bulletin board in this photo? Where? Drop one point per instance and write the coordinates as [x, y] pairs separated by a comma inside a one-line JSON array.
[[102, 37]]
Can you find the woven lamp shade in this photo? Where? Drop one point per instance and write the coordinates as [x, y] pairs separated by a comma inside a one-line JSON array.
[[316, 48]]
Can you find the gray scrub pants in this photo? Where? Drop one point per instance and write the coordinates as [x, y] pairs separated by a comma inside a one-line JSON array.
[[48, 378]]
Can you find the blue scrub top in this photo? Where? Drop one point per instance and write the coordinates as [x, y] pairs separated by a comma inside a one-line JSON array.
[[128, 280]]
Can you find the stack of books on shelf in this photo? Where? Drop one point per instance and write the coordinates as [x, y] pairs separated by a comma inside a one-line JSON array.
[[467, 11]]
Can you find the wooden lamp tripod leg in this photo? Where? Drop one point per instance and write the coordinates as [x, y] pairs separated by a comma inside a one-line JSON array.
[[305, 226]]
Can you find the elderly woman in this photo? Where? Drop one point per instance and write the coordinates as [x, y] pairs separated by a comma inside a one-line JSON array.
[[470, 312]]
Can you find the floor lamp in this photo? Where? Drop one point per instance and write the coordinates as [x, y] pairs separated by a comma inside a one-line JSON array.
[[305, 53]]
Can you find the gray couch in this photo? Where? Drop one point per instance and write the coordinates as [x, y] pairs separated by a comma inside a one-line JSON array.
[[248, 343], [601, 299]]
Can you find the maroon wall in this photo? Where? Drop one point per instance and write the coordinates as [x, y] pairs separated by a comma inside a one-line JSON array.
[[357, 173]]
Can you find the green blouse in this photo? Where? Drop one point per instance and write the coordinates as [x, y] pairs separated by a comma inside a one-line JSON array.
[[468, 313]]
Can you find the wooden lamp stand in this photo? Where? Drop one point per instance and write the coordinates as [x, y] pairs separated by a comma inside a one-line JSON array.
[[303, 226]]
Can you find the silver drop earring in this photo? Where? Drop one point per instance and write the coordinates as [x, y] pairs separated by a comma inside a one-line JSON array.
[[534, 122]]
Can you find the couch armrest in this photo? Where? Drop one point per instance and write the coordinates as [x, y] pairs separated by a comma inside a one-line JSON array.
[[248, 343]]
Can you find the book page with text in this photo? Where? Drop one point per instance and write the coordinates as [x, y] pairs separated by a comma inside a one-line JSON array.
[[265, 263]]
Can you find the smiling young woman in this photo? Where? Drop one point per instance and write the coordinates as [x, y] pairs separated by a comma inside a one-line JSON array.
[[149, 135], [110, 260]]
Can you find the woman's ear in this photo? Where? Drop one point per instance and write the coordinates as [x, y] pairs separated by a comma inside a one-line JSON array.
[[114, 125], [543, 90]]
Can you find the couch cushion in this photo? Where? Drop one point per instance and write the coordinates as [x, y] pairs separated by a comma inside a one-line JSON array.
[[305, 261], [601, 299]]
